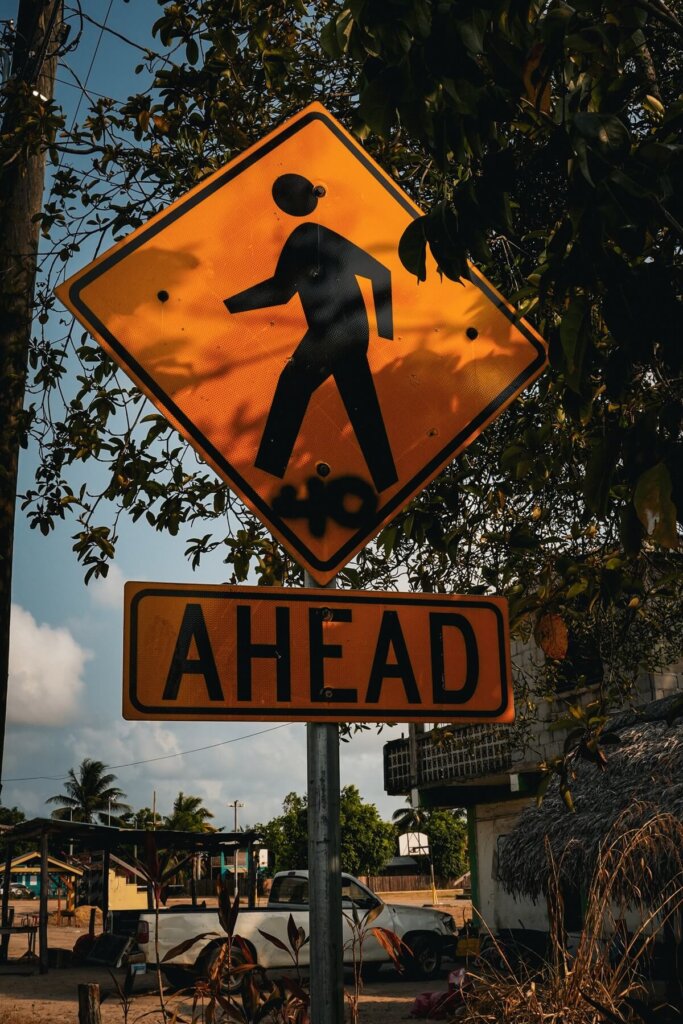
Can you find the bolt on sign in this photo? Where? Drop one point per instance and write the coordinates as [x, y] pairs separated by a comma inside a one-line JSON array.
[[268, 316], [274, 654]]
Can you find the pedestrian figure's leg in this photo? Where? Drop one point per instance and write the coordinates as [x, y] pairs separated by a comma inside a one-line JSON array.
[[357, 390], [292, 395]]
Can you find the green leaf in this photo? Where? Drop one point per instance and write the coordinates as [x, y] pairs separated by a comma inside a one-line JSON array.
[[448, 248], [377, 104], [388, 539], [573, 738], [292, 932], [472, 31], [186, 944], [605, 133], [599, 474], [574, 339], [336, 35], [522, 537], [328, 40], [412, 248], [630, 530], [373, 913], [543, 788], [566, 794], [654, 105], [274, 940], [577, 588], [656, 510], [192, 52]]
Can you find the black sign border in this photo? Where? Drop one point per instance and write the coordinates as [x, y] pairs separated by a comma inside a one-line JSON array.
[[327, 597], [362, 536]]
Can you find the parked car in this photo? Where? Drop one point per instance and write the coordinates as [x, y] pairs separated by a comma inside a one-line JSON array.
[[19, 891]]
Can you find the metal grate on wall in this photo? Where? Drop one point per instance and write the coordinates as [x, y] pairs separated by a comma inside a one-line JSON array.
[[397, 767], [461, 754]]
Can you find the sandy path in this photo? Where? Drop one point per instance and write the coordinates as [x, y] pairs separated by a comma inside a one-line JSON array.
[[36, 999]]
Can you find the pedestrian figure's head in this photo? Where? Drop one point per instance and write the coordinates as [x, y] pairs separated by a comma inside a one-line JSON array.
[[295, 195]]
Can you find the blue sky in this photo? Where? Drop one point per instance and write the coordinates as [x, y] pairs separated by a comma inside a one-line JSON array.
[[65, 674]]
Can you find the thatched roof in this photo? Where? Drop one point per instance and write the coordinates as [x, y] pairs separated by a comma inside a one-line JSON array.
[[643, 778]]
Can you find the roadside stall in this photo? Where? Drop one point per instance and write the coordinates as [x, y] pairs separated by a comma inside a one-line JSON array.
[[139, 850]]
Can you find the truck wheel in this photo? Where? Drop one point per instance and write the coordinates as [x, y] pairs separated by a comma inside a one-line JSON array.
[[370, 971], [425, 961], [231, 983]]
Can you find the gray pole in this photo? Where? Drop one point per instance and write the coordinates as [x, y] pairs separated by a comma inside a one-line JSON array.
[[324, 869], [235, 860]]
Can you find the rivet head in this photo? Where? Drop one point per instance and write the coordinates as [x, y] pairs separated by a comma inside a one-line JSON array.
[[472, 333], [163, 296], [319, 191], [322, 469]]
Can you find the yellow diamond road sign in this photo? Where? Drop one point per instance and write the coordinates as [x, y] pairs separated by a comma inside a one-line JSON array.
[[267, 315]]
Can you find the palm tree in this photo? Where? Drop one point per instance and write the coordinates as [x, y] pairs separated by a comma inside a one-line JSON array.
[[144, 819], [89, 794], [189, 815], [410, 819]]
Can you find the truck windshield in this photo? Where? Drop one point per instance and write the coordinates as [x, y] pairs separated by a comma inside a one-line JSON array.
[[289, 889], [352, 892]]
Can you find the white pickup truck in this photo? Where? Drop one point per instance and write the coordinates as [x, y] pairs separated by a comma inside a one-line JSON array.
[[427, 933]]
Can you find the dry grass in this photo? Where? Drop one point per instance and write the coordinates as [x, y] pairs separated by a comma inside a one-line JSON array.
[[592, 985]]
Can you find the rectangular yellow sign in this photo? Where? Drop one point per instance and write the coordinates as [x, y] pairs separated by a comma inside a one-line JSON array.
[[208, 653]]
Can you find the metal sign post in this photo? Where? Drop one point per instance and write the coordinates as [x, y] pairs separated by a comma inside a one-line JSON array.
[[324, 868], [324, 874]]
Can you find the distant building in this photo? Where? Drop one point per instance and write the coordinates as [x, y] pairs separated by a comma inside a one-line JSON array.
[[483, 769], [62, 877]]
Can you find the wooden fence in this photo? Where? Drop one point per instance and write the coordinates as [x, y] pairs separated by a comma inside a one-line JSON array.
[[395, 883]]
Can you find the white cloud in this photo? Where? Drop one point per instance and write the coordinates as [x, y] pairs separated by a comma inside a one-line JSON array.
[[45, 673], [107, 592]]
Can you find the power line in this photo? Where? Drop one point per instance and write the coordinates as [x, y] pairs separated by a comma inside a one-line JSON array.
[[79, 87], [124, 39], [162, 757], [87, 76]]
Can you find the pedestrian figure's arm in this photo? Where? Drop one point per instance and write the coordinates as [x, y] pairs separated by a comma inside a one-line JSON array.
[[276, 291], [381, 290], [365, 265]]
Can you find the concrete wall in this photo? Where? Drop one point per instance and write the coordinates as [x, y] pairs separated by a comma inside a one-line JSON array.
[[498, 909], [546, 743], [124, 895]]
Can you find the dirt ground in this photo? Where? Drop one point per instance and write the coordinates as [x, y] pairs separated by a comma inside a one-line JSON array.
[[27, 997]]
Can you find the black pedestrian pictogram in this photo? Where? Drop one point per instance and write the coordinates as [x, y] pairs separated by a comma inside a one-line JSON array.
[[321, 266]]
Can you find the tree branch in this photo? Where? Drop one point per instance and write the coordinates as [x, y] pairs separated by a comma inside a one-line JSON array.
[[661, 13]]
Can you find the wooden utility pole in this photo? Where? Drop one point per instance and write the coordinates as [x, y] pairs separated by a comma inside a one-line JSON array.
[[22, 172]]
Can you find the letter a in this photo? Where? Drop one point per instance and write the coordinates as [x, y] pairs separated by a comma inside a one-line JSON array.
[[391, 638], [193, 627]]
